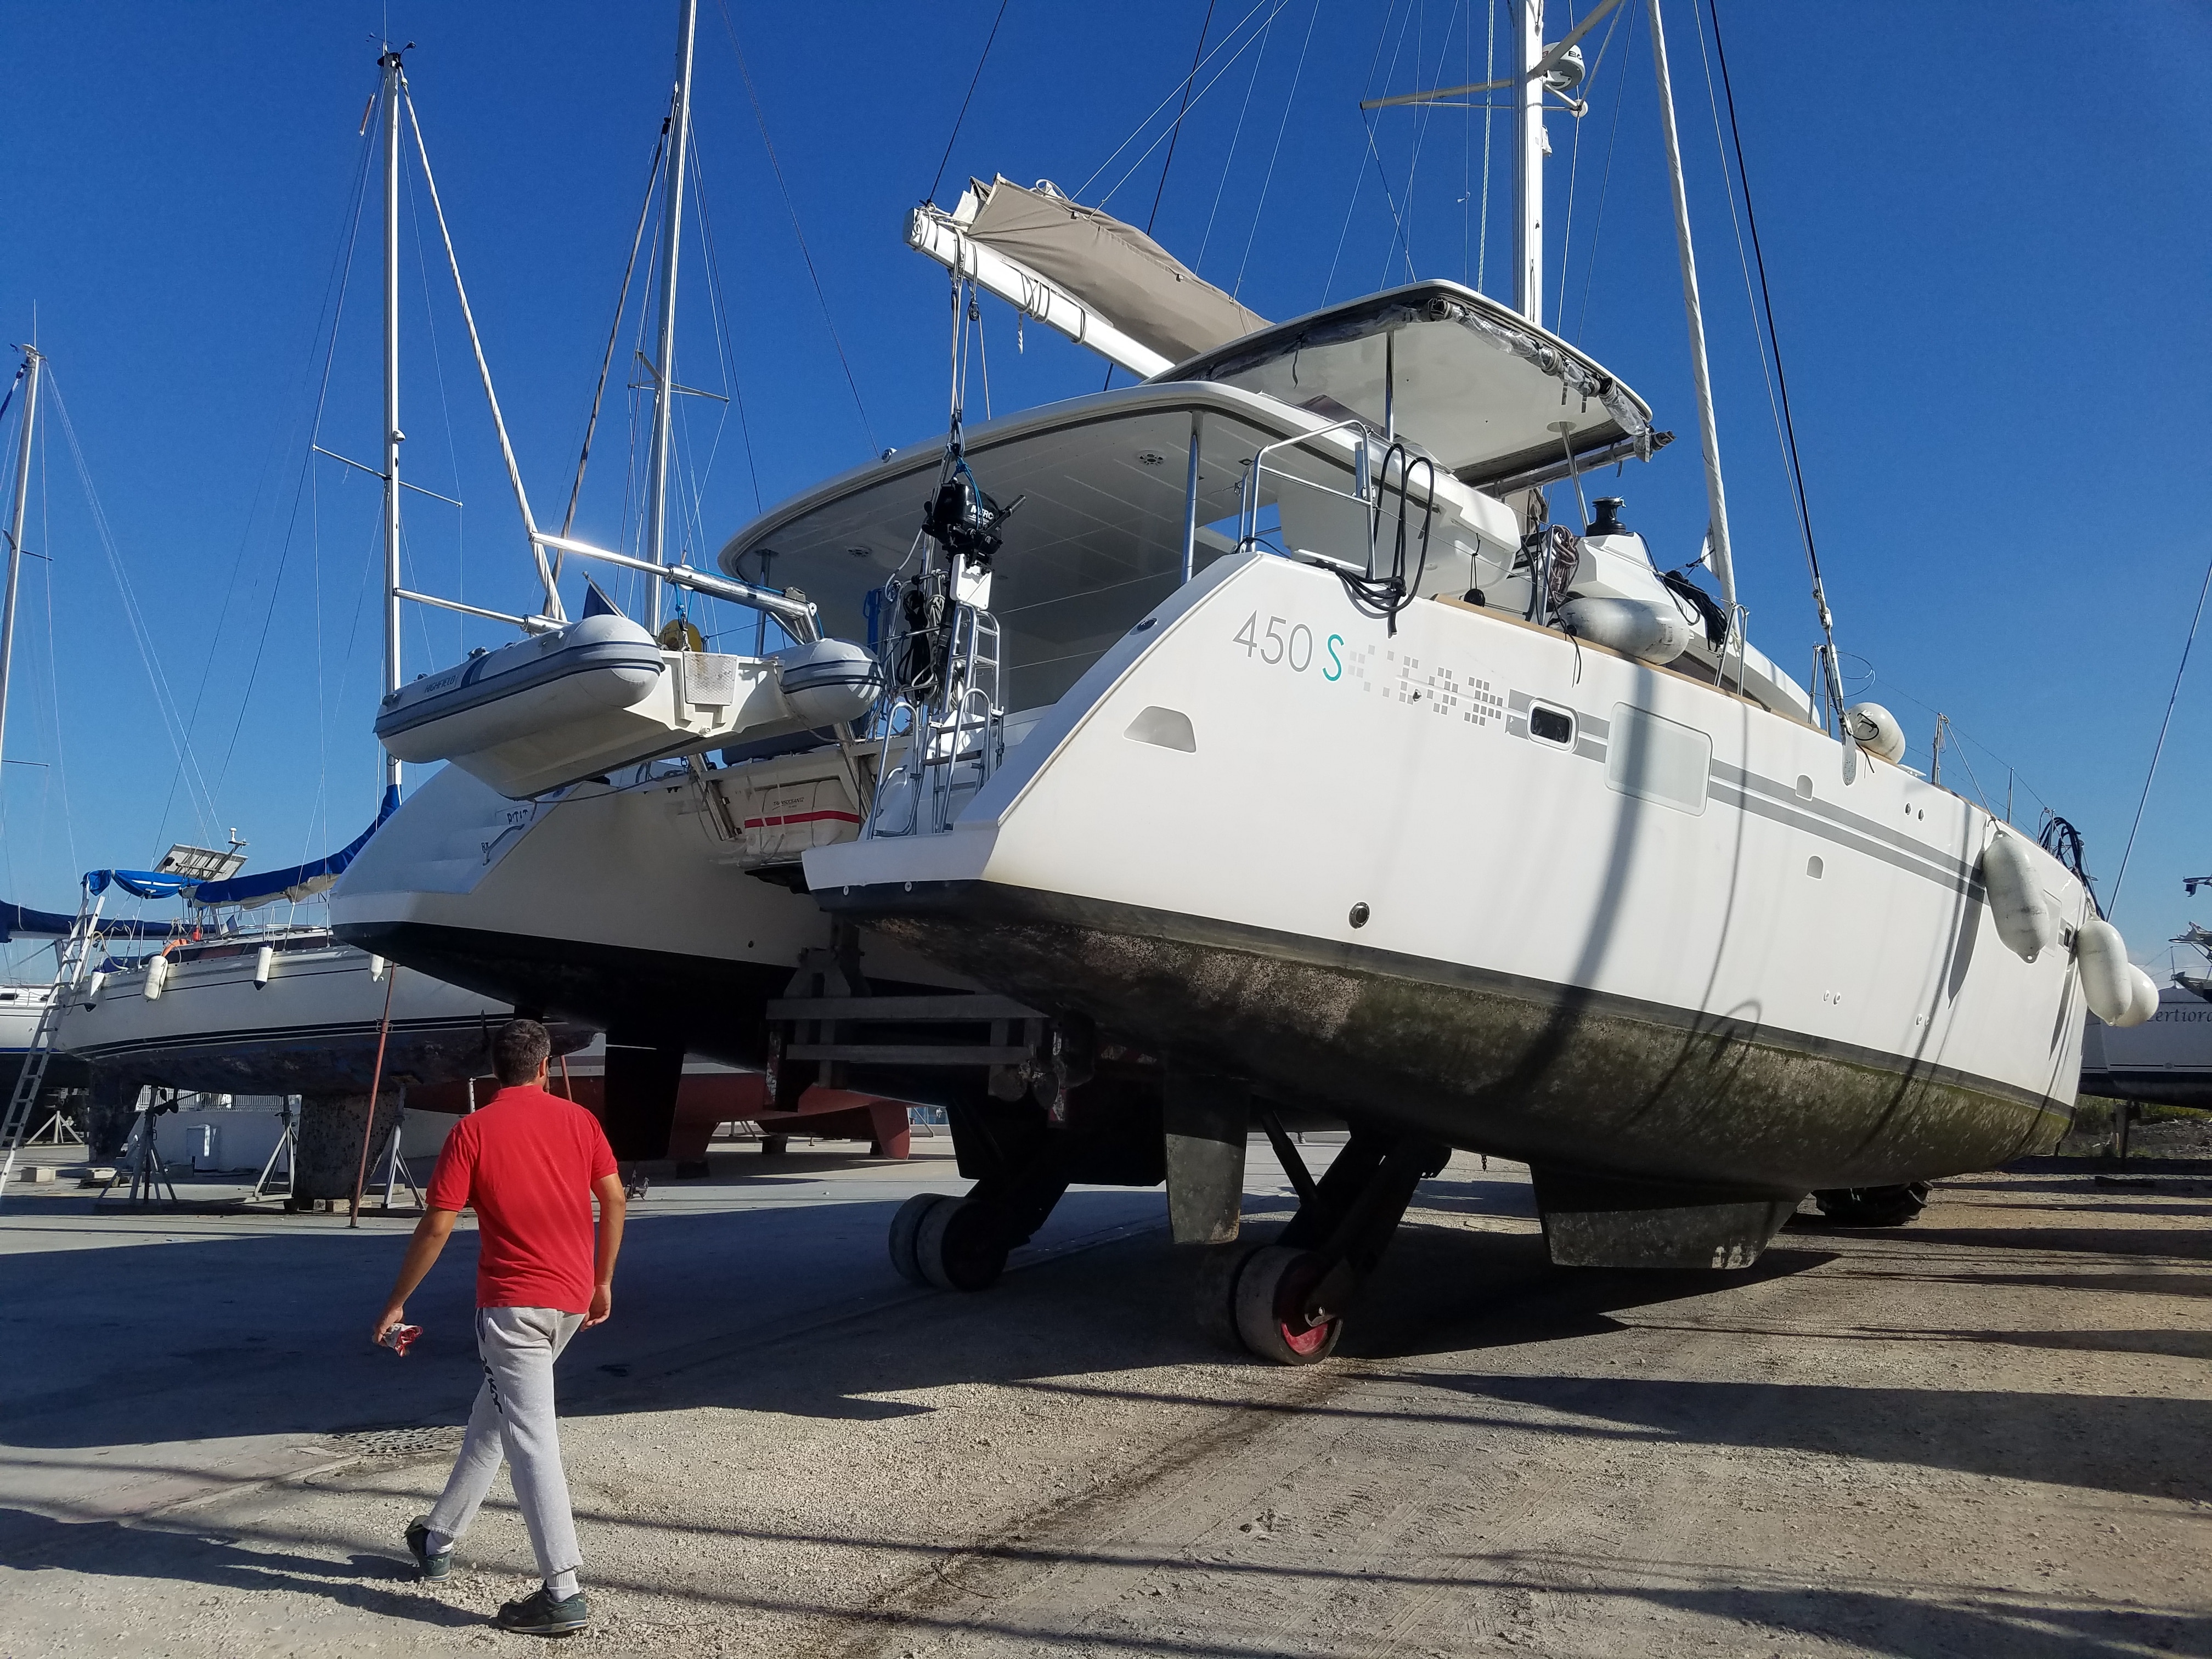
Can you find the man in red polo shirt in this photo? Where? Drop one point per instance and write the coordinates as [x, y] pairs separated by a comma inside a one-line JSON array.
[[529, 1164]]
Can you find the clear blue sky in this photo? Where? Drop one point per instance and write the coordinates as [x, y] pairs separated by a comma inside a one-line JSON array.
[[1989, 247]]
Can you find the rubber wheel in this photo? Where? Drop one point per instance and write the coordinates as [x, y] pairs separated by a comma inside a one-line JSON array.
[[959, 1246], [1270, 1298], [905, 1228], [1873, 1207]]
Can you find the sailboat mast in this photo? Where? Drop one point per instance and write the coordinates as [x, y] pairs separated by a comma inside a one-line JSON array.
[[32, 364], [1529, 164], [393, 435], [663, 361], [1721, 557]]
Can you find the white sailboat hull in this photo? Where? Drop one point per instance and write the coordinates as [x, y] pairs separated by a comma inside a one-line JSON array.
[[1264, 837], [2166, 1060]]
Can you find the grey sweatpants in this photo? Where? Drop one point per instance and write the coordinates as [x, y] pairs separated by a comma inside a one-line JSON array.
[[513, 1418]]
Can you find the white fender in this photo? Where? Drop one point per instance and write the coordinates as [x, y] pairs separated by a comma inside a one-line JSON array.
[[157, 978], [1877, 732], [2106, 986], [1645, 632], [264, 961], [2144, 1004], [2023, 920]]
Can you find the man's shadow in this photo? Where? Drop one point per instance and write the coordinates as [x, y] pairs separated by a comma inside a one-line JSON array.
[[30, 1542]]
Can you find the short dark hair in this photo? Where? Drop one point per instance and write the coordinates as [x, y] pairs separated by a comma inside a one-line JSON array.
[[518, 1049]]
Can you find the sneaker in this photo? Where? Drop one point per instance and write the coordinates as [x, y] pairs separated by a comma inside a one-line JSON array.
[[432, 1567], [539, 1613]]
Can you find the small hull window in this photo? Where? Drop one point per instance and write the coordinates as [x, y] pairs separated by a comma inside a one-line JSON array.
[[1552, 726]]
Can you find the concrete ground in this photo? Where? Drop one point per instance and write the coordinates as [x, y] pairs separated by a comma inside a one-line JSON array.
[[1983, 1434]]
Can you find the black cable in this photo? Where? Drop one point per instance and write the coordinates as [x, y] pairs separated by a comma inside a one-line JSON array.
[[1174, 136], [1175, 132], [1766, 301], [930, 195]]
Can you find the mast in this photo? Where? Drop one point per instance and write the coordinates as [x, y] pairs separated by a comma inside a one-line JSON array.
[[393, 435], [1723, 561], [664, 364], [1528, 163], [32, 364]]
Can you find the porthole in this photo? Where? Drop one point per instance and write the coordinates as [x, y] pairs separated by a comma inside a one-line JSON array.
[[1804, 787], [1814, 868], [1552, 726]]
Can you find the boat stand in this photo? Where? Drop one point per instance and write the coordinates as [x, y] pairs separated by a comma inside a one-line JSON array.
[[396, 1170], [149, 1175], [288, 1148], [56, 1131]]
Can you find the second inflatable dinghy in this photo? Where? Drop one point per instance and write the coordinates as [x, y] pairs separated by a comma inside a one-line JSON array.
[[598, 693]]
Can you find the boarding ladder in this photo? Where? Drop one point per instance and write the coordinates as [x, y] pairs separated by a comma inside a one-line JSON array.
[[950, 744], [71, 959]]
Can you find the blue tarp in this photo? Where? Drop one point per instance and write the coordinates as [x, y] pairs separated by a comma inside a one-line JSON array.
[[20, 920], [300, 879], [139, 883]]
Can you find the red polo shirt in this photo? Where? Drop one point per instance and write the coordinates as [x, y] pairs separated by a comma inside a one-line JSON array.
[[525, 1163]]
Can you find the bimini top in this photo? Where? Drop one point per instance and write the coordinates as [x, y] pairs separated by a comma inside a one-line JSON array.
[[1472, 381]]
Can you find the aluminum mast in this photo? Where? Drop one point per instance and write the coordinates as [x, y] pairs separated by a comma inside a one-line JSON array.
[[1723, 560], [393, 437], [664, 364], [33, 362], [1528, 163]]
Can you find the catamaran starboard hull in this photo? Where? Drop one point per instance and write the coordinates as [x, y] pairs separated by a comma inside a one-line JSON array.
[[1480, 882]]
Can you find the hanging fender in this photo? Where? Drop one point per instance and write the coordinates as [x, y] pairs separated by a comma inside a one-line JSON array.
[[2107, 985], [2023, 919]]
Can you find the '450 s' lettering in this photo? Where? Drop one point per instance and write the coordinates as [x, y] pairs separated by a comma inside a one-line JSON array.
[[1294, 645]]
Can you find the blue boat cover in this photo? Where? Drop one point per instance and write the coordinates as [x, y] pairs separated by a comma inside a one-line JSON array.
[[297, 882], [140, 883], [20, 920]]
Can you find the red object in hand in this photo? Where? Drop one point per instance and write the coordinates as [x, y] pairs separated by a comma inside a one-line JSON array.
[[398, 1338]]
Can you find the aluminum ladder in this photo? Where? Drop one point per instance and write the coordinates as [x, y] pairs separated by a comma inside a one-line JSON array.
[[70, 960]]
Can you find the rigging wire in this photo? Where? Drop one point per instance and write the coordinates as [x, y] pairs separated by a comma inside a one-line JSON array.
[[336, 285], [1290, 102], [1367, 122], [1359, 174], [141, 635], [2195, 621], [725, 337], [1427, 114], [930, 195], [1574, 163], [1489, 73], [614, 333], [1175, 131], [1604, 190], [1220, 75], [761, 116], [1774, 339], [1137, 131], [1236, 137]]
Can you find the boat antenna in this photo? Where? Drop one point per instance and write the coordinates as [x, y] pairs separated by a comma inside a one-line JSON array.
[[27, 378], [664, 363], [391, 62]]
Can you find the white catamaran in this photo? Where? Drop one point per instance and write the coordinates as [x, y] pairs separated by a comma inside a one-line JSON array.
[[1256, 746]]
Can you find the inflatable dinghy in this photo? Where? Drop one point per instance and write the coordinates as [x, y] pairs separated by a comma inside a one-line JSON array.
[[580, 700]]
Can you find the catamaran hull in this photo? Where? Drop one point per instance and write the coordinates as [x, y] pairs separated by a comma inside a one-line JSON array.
[[1519, 895], [1559, 1077], [622, 907]]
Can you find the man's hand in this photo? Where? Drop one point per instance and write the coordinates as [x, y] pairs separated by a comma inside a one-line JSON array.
[[613, 1205], [430, 1234], [603, 1305]]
